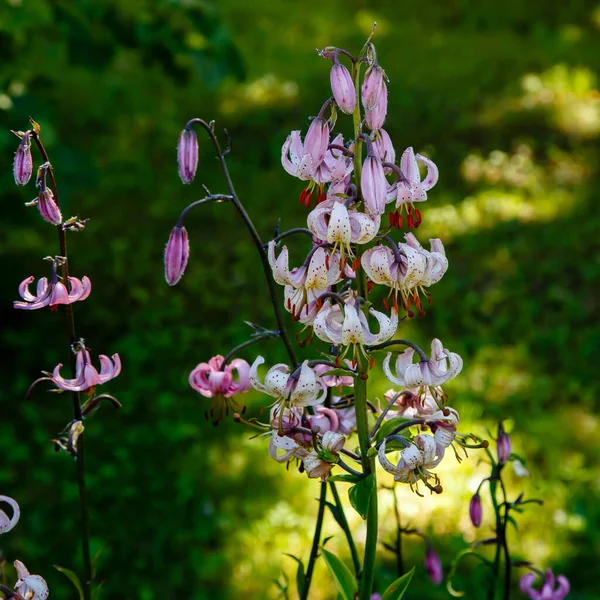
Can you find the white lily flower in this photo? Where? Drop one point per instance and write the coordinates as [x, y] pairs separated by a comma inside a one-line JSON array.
[[7, 524], [303, 390], [31, 587], [442, 366], [351, 326]]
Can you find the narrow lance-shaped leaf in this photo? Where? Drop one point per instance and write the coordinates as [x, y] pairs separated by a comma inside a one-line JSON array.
[[344, 580], [397, 590]]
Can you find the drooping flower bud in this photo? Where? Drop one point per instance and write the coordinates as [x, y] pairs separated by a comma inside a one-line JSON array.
[[475, 510], [187, 155], [316, 140], [48, 207], [371, 87], [503, 445], [23, 166], [433, 565], [376, 116], [374, 185], [176, 254], [343, 89]]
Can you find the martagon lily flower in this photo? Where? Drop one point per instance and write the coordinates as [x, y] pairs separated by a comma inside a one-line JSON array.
[[30, 587], [52, 294], [86, 375], [213, 381], [303, 387], [441, 367], [547, 591], [7, 524], [350, 326]]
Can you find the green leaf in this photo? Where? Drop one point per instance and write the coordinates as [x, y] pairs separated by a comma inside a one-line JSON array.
[[344, 580], [397, 590], [300, 578], [388, 427], [74, 579], [336, 513], [346, 478], [360, 495]]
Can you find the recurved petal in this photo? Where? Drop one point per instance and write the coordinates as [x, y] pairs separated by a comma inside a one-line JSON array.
[[322, 328], [24, 289], [364, 227], [7, 524], [398, 377], [253, 375], [432, 172], [276, 381], [352, 328], [87, 288], [339, 229], [317, 275], [291, 166], [333, 442], [409, 166], [377, 262], [279, 265], [411, 457], [563, 588], [307, 387], [387, 327], [384, 461], [109, 369], [243, 375]]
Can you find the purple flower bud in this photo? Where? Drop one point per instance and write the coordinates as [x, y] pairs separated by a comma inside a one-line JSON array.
[[375, 118], [433, 566], [475, 510], [503, 445], [342, 87], [316, 140], [187, 155], [176, 254], [48, 207], [374, 185], [371, 87], [23, 162]]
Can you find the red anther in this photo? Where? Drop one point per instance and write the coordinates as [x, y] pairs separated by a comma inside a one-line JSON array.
[[289, 304], [321, 196], [343, 263], [393, 218], [385, 303], [354, 364], [410, 220], [371, 362], [421, 313], [370, 284], [396, 303], [429, 299], [417, 301], [356, 264], [411, 314], [337, 361], [399, 221], [364, 376], [327, 261], [306, 197], [419, 219]]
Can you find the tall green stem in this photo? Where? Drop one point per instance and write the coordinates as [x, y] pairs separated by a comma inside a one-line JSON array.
[[360, 383], [80, 460], [344, 525]]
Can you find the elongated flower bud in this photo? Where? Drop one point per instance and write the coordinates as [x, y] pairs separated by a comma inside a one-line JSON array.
[[23, 166], [475, 510], [433, 566], [176, 254], [375, 118], [374, 185], [187, 155], [343, 89], [503, 445], [317, 140], [371, 87], [48, 208]]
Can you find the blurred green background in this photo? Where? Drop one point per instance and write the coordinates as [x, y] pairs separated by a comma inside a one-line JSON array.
[[503, 96]]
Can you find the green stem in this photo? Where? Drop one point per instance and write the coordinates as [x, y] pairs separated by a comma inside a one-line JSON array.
[[496, 564], [316, 541], [80, 460], [507, 562], [346, 528]]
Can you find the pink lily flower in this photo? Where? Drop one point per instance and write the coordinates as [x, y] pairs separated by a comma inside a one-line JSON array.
[[30, 587], [212, 381], [86, 375], [411, 188], [54, 294], [302, 159], [547, 591], [7, 524]]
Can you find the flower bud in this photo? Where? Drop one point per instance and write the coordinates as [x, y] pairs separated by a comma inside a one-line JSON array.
[[23, 166], [503, 445], [433, 565], [371, 87], [317, 140], [342, 87], [384, 148], [187, 155], [376, 117], [475, 510], [176, 254], [48, 207], [373, 185]]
